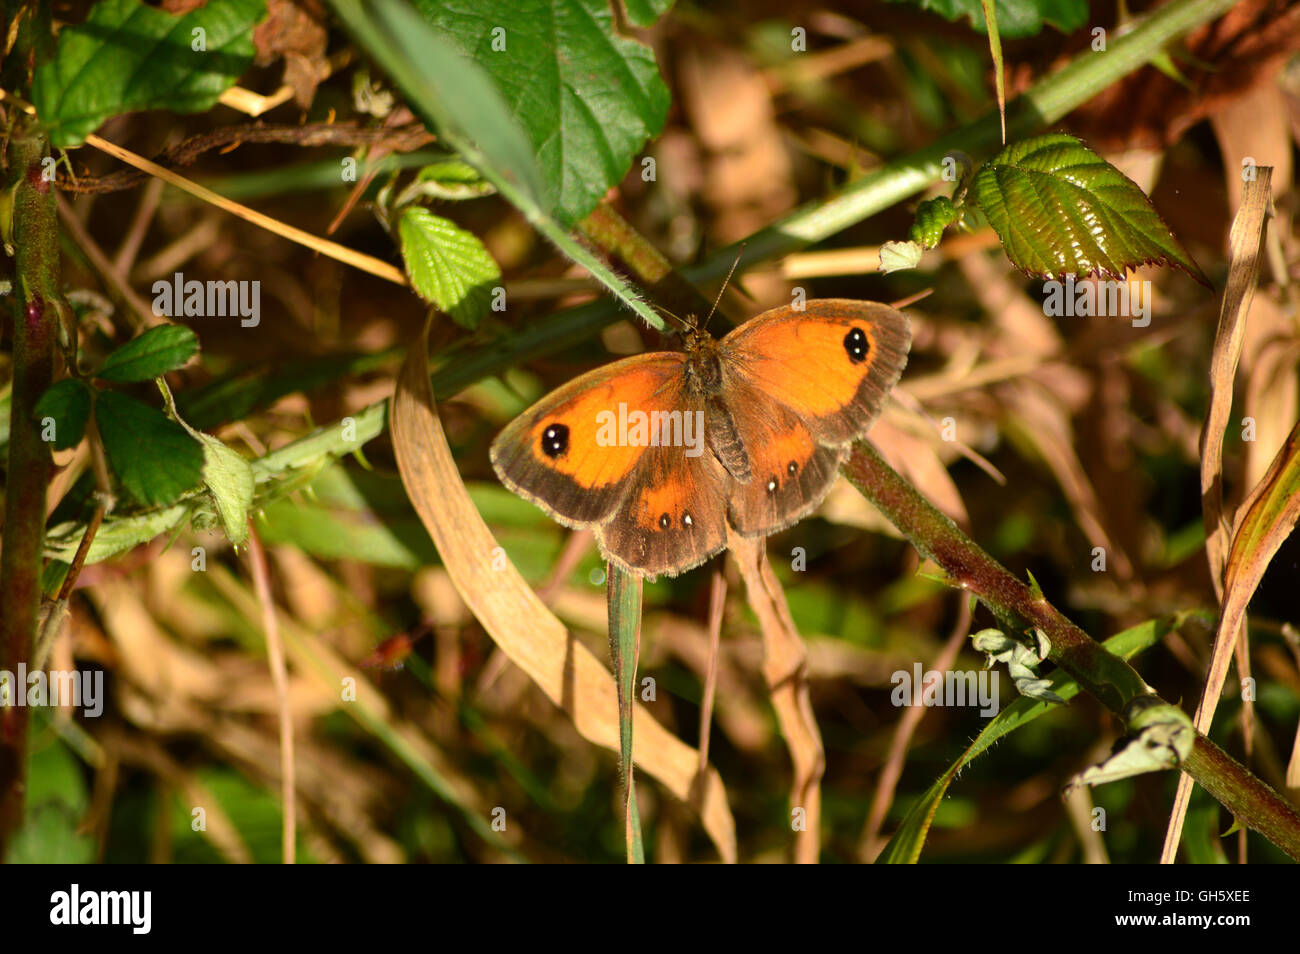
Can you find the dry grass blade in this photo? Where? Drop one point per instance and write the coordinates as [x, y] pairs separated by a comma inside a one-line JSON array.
[[517, 620], [367, 263], [785, 668], [280, 679], [1245, 245]]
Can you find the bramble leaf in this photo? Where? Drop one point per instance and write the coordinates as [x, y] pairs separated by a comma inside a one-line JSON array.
[[1059, 209], [129, 56], [157, 351], [68, 403], [448, 266], [588, 98], [153, 457]]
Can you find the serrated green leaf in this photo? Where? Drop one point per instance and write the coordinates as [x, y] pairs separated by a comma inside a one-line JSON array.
[[448, 266], [153, 457], [1059, 208], [227, 477], [157, 351], [230, 480], [588, 98], [1015, 17], [430, 74], [68, 403], [116, 535], [129, 56]]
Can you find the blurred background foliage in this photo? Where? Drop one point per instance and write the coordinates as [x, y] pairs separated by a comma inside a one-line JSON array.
[[1073, 433]]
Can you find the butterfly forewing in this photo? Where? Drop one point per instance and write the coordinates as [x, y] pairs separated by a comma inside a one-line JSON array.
[[833, 363], [562, 453]]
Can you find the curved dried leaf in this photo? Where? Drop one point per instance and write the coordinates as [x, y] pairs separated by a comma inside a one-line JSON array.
[[518, 621]]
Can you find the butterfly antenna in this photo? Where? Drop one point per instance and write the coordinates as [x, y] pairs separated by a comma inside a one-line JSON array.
[[686, 325], [723, 289]]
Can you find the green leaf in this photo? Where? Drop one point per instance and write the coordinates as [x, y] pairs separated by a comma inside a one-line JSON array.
[[153, 457], [448, 266], [451, 179], [455, 93], [588, 98], [229, 478], [57, 802], [157, 351], [1014, 17], [1059, 208], [430, 75], [68, 403], [644, 13], [1161, 738], [116, 535], [129, 56]]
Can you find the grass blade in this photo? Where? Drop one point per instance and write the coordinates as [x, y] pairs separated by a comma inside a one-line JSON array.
[[623, 592]]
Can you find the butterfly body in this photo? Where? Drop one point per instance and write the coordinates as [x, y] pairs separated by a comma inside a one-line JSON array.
[[658, 453]]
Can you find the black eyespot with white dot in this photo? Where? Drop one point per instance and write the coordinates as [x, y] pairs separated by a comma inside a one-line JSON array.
[[687, 522], [792, 468], [665, 521], [773, 485], [856, 345], [555, 440]]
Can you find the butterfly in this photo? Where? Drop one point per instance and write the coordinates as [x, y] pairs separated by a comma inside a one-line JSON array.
[[660, 452]]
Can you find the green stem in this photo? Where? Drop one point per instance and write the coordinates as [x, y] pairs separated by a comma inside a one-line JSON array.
[[623, 593], [36, 297], [1104, 675]]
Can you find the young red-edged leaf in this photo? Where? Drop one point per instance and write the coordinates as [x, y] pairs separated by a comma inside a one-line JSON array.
[[1059, 209]]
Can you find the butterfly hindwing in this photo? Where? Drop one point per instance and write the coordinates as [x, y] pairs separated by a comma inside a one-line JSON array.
[[833, 363], [559, 455], [673, 519], [791, 471]]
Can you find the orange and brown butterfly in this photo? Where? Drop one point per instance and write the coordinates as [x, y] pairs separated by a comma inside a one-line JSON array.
[[657, 453]]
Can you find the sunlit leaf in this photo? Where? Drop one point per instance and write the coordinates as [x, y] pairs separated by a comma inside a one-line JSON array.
[[1059, 208], [448, 266]]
